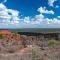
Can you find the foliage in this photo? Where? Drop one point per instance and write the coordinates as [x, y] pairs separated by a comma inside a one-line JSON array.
[[35, 53], [14, 35], [1, 36], [52, 42]]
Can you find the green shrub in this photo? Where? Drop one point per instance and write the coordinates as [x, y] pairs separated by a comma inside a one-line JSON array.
[[52, 42], [36, 54], [1, 36]]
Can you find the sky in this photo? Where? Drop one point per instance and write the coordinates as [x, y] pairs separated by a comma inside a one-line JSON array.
[[29, 14]]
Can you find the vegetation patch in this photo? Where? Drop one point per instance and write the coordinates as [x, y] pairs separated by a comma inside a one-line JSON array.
[[53, 42]]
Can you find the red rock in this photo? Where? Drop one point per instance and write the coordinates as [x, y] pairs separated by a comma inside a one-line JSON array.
[[5, 32]]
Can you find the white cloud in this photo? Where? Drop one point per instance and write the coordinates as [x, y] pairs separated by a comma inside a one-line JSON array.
[[58, 17], [11, 17], [56, 6], [5, 1], [8, 16], [27, 20], [13, 12], [39, 16], [51, 2], [14, 22], [44, 10], [41, 20]]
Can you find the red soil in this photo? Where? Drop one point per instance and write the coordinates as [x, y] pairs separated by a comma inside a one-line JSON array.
[[5, 32]]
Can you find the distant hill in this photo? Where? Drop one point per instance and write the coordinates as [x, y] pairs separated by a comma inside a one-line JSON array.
[[36, 30]]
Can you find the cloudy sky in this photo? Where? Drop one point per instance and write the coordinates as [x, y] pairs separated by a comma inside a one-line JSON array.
[[29, 14]]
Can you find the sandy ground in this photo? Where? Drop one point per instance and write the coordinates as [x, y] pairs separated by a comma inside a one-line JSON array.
[[26, 54]]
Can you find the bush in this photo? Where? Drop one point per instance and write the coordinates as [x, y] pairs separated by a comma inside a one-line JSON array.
[[36, 54], [1, 36], [52, 42]]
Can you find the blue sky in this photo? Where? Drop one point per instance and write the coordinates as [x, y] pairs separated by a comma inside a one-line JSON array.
[[29, 13]]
